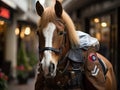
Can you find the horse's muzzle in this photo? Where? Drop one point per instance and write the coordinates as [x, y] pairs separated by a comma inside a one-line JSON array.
[[51, 71], [51, 68]]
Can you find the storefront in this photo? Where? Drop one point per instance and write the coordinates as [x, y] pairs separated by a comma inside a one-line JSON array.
[[5, 16], [5, 20], [105, 27], [101, 19], [26, 32], [101, 28], [3, 25], [10, 13]]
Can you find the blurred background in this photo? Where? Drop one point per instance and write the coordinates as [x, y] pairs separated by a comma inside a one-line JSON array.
[[19, 42]]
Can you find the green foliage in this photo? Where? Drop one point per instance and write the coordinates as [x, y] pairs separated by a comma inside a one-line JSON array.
[[23, 66], [22, 72], [3, 81], [25, 61], [22, 58], [32, 58], [3, 84]]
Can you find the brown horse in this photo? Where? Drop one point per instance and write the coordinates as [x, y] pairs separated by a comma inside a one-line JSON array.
[[57, 36]]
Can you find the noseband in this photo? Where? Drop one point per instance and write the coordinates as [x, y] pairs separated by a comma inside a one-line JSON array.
[[51, 49]]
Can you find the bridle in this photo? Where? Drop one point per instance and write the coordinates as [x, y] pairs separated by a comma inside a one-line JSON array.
[[62, 58], [58, 51]]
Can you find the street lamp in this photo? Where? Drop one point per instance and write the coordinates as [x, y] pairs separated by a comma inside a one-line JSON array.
[[17, 31], [96, 20], [27, 31], [104, 24]]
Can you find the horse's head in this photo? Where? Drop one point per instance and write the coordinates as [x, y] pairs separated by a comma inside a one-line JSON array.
[[51, 34]]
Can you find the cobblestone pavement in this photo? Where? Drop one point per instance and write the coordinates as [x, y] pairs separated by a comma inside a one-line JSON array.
[[15, 86]]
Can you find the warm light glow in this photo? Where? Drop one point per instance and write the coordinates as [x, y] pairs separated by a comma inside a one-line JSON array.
[[96, 20], [2, 22], [104, 24], [17, 31], [98, 36], [27, 31], [22, 34]]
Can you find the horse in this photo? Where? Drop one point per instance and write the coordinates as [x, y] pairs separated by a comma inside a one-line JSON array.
[[56, 71]]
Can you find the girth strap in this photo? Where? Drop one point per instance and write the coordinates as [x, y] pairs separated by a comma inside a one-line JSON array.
[[76, 75]]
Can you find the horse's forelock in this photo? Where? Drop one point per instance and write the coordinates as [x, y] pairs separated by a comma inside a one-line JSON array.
[[48, 15]]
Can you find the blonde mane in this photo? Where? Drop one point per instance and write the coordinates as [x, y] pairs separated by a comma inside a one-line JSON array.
[[49, 15], [73, 37]]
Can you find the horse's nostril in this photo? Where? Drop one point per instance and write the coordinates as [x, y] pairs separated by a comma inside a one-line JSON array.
[[51, 67]]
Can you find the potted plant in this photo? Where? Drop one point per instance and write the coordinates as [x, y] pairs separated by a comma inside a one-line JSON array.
[[22, 74], [23, 66], [32, 62], [3, 81]]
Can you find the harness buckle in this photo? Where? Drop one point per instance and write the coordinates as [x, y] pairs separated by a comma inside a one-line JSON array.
[[77, 66]]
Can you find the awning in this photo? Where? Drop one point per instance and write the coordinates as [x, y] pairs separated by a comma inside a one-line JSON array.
[[10, 3]]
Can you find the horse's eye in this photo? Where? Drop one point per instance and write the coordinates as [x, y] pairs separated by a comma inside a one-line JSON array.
[[60, 33]]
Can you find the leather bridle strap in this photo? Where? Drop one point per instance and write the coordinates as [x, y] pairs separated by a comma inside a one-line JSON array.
[[51, 49]]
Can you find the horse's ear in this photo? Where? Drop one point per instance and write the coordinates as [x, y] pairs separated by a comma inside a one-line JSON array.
[[39, 8], [58, 8]]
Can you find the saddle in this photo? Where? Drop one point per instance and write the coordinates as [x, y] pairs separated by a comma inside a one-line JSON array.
[[87, 45], [92, 66], [86, 41], [78, 66], [78, 56]]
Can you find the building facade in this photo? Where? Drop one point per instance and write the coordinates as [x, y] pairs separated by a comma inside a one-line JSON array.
[[101, 20], [12, 12]]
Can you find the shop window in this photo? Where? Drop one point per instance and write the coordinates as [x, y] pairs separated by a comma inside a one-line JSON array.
[[3, 27], [100, 28]]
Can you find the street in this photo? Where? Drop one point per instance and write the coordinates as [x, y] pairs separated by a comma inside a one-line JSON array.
[[15, 86]]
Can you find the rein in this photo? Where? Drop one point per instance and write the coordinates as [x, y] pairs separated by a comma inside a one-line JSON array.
[[62, 61]]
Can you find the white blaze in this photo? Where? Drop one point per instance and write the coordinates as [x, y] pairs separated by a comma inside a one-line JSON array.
[[48, 34]]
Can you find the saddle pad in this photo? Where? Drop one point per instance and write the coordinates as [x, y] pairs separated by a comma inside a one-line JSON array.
[[76, 55], [86, 41]]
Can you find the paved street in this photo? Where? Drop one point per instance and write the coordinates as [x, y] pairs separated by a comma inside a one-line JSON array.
[[15, 86]]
